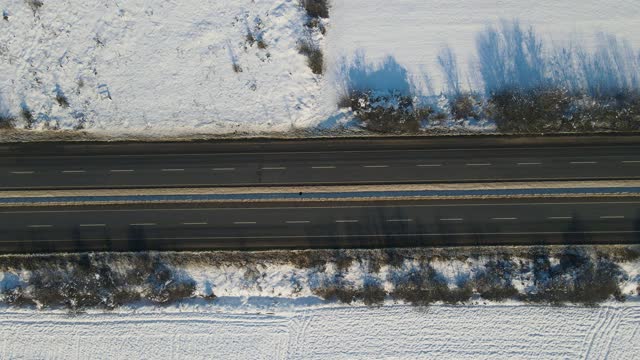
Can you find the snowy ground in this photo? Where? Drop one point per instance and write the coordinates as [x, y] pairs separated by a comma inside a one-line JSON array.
[[158, 67], [337, 332], [415, 32], [140, 68]]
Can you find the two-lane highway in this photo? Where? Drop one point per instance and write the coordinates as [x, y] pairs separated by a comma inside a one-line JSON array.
[[321, 225], [289, 163]]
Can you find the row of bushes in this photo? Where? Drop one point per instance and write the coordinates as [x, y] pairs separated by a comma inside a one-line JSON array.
[[576, 279], [83, 281], [109, 280], [540, 110]]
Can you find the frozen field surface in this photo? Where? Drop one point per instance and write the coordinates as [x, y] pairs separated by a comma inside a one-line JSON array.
[[337, 332], [415, 32]]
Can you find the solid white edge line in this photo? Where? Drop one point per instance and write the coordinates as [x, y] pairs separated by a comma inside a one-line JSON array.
[[352, 235], [322, 207], [529, 163], [73, 171], [429, 165], [451, 219], [504, 218], [274, 168], [323, 167], [297, 222], [583, 162], [346, 221], [479, 164], [22, 172]]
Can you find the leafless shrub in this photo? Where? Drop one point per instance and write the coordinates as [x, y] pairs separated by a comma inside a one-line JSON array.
[[423, 286], [578, 278], [7, 122], [315, 23], [494, 281], [27, 115], [61, 98], [236, 67], [315, 58], [316, 8], [308, 260], [463, 106], [391, 112], [531, 111], [250, 38], [35, 5]]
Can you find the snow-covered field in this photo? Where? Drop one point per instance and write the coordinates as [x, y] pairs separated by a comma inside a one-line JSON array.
[[335, 332], [158, 67], [172, 68], [414, 32]]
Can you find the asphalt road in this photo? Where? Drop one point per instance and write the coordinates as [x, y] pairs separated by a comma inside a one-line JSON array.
[[321, 225], [324, 162]]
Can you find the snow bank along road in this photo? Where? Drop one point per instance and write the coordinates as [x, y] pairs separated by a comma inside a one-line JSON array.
[[309, 225], [394, 331], [368, 161]]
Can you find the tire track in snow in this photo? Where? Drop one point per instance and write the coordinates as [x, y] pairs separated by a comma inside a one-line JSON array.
[[300, 325], [593, 331], [602, 336]]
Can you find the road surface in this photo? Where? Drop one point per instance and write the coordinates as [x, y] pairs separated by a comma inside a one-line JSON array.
[[323, 162], [321, 225]]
